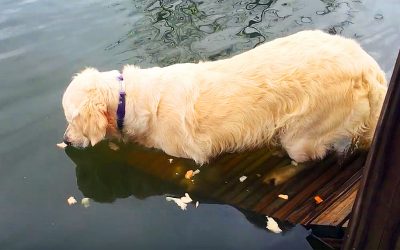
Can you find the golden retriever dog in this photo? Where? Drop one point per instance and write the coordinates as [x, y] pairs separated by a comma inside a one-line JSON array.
[[303, 92]]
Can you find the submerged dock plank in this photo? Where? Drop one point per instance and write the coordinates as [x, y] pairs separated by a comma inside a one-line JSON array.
[[338, 212], [335, 179]]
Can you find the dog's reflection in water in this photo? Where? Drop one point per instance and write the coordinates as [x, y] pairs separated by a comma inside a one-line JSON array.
[[105, 175], [134, 170]]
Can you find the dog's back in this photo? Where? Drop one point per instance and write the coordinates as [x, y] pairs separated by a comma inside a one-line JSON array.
[[308, 90], [305, 91]]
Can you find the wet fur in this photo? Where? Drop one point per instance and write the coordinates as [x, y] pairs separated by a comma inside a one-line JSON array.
[[304, 92]]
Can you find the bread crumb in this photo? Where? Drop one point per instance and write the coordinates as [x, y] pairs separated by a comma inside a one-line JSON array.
[[178, 202], [243, 178], [71, 201], [85, 202], [170, 160], [272, 225], [294, 163], [283, 196], [189, 174], [181, 202], [186, 198], [61, 145]]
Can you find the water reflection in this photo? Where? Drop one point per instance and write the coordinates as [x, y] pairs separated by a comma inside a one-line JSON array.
[[104, 175], [142, 172]]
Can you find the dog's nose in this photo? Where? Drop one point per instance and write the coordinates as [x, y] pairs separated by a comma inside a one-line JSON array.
[[66, 141]]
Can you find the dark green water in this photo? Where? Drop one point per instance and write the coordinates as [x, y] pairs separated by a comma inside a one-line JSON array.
[[43, 43]]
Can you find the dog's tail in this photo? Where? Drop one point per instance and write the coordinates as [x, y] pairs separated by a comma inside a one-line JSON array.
[[375, 78]]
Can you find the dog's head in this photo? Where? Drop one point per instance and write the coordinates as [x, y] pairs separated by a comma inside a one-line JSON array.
[[86, 104]]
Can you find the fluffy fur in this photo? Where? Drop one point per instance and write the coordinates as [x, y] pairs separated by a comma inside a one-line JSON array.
[[305, 91]]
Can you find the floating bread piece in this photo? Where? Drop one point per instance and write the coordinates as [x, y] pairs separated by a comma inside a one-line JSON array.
[[61, 145], [294, 163], [71, 200], [283, 196], [170, 160], [318, 199], [186, 198], [272, 225], [85, 202], [189, 174], [178, 202], [243, 178], [181, 202]]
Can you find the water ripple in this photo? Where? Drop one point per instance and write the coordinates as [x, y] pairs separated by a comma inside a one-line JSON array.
[[12, 53], [177, 31]]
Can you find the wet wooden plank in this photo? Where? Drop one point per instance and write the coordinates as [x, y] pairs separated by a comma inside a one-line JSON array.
[[346, 178], [244, 169], [339, 210], [306, 195], [293, 187], [253, 181], [331, 178]]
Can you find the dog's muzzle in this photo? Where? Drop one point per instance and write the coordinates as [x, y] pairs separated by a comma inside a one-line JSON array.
[[66, 140], [68, 143]]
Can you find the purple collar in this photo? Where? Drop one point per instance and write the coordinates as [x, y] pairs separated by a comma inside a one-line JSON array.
[[121, 104]]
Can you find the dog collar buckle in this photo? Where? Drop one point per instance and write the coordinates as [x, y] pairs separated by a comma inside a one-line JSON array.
[[121, 104]]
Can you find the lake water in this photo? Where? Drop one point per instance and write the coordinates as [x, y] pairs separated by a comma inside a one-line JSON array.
[[43, 43]]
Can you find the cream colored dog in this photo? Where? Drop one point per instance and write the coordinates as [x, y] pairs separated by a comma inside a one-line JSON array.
[[305, 92]]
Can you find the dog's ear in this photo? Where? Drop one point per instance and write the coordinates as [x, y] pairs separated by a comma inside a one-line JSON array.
[[93, 116]]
